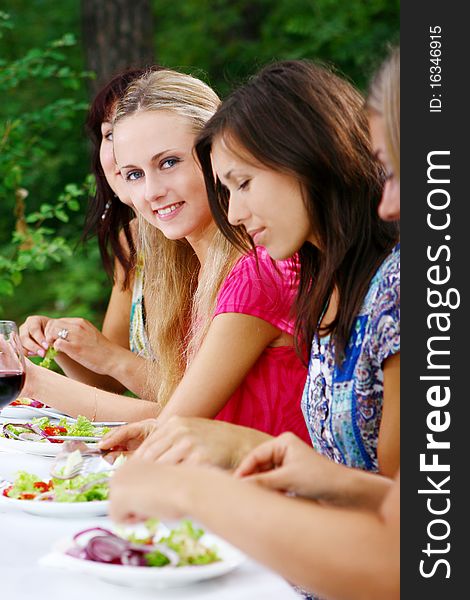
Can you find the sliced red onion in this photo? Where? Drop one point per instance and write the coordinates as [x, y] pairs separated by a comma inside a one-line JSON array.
[[28, 426], [108, 549], [81, 535], [37, 404], [77, 552]]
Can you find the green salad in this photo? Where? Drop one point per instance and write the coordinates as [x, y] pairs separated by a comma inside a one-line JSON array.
[[46, 362], [46, 428], [181, 547], [83, 488]]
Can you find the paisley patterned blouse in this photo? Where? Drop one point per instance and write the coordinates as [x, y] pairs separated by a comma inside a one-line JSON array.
[[342, 405]]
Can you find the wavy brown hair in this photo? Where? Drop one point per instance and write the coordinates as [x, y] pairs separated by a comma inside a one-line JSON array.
[[302, 119], [117, 216]]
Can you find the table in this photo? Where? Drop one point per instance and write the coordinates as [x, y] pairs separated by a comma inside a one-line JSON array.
[[25, 538]]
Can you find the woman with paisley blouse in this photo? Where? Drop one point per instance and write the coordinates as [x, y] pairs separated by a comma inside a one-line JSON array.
[[336, 552]]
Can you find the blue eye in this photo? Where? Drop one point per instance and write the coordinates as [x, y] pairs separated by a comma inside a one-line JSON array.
[[133, 175], [168, 163]]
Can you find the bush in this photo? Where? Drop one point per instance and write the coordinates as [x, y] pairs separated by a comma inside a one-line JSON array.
[[34, 232]]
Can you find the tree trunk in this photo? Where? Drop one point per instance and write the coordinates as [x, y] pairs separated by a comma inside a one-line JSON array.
[[117, 34]]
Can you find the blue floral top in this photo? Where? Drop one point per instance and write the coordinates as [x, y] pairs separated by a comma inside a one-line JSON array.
[[342, 405]]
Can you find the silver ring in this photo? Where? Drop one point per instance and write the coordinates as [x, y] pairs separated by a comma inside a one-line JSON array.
[[63, 333]]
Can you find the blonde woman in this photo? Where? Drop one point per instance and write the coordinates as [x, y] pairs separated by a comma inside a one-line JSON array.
[[222, 328]]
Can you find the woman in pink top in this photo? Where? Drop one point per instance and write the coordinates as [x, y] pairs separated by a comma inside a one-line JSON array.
[[262, 288], [209, 349]]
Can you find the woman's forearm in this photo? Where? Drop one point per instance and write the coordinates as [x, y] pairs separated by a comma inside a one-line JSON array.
[[337, 553], [74, 398], [355, 488], [127, 368], [75, 370], [119, 370]]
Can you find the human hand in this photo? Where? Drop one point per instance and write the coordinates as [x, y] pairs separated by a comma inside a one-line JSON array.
[[198, 441], [288, 464], [84, 343], [128, 437], [139, 490], [32, 335]]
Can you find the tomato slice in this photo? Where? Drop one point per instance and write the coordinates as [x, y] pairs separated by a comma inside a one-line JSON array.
[[52, 430], [7, 490], [43, 486], [27, 496]]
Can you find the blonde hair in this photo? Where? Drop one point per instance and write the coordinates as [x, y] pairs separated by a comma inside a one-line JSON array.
[[180, 297], [384, 99]]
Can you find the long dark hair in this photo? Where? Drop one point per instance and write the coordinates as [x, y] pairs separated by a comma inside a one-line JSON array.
[[117, 215], [300, 118]]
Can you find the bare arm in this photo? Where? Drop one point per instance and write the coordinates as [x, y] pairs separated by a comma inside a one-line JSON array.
[[178, 436], [76, 398], [101, 359], [388, 449], [212, 378], [287, 464], [309, 544], [205, 388]]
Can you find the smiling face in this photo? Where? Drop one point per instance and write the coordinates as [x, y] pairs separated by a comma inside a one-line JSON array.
[[153, 150], [110, 169], [389, 207], [268, 203]]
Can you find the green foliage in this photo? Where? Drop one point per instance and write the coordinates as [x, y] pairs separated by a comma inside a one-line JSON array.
[[44, 96], [231, 40], [28, 155]]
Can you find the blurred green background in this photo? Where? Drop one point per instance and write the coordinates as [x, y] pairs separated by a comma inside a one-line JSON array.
[[45, 87]]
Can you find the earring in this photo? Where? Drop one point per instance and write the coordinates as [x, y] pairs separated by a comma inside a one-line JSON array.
[[107, 206]]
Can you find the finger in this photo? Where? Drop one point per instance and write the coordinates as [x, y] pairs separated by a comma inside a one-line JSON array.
[[112, 455], [120, 511], [121, 436], [154, 446], [173, 456], [54, 326], [273, 480], [10, 359], [32, 348], [260, 459], [129, 518], [32, 336]]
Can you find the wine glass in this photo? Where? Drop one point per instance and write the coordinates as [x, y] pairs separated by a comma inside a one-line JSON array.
[[12, 366]]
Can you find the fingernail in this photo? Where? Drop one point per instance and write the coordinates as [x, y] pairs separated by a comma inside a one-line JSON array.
[[41, 353], [45, 345]]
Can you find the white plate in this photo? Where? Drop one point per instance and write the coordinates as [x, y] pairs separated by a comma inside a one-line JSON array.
[[66, 510], [41, 448], [148, 577], [22, 411]]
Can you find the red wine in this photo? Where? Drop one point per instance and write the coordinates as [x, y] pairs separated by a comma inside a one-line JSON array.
[[11, 383]]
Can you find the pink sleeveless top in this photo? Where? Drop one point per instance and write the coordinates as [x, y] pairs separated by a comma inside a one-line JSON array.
[[269, 397]]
